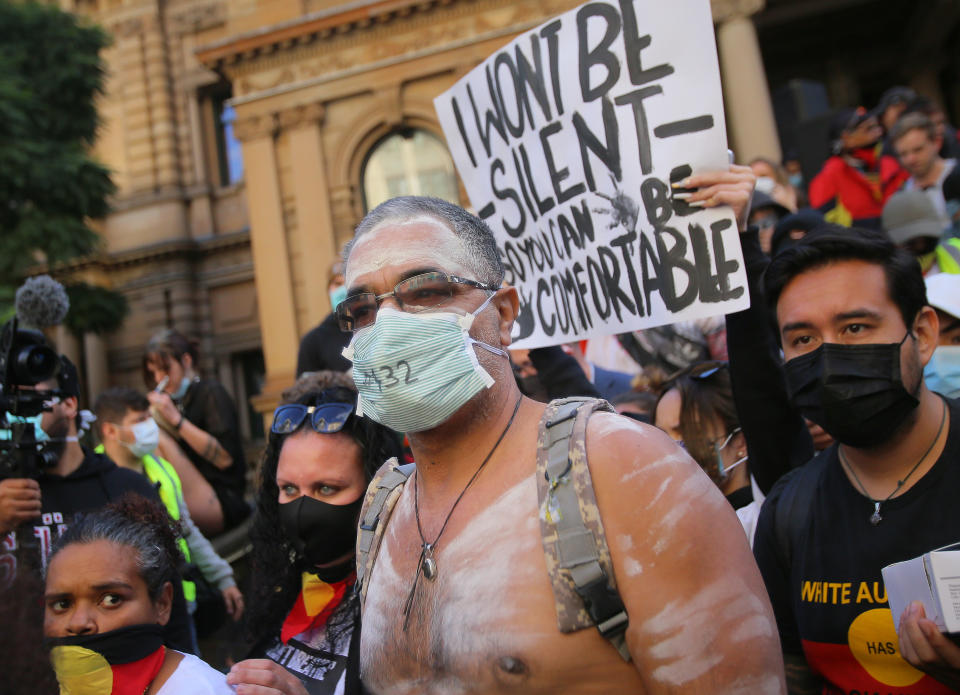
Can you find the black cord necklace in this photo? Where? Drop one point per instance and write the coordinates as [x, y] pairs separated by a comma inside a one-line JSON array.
[[875, 518], [427, 565]]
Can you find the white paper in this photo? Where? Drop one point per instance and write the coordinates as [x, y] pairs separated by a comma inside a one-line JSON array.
[[567, 140]]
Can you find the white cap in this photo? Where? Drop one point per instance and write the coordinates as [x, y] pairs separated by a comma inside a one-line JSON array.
[[943, 293]]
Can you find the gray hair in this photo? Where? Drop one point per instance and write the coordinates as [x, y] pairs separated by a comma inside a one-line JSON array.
[[136, 523], [476, 238]]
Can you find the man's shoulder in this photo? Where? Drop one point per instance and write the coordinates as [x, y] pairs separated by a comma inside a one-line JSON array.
[[119, 480]]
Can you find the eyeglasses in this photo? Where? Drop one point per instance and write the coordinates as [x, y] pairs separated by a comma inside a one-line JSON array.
[[325, 418], [422, 292]]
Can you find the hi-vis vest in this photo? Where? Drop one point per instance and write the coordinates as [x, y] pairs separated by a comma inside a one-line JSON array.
[[574, 543], [948, 256], [162, 474]]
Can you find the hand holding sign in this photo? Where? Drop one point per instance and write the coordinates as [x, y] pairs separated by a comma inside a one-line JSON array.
[[578, 144]]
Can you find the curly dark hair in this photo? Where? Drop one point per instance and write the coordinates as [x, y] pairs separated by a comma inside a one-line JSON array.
[[276, 566], [140, 524]]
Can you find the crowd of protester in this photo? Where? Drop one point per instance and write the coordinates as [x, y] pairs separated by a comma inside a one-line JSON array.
[[821, 417]]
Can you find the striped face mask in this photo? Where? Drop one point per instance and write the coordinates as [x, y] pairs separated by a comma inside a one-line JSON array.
[[413, 371]]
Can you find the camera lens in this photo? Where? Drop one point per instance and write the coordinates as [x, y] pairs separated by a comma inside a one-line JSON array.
[[35, 363]]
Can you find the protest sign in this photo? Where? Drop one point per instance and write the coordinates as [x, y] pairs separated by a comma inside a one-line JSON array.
[[568, 141]]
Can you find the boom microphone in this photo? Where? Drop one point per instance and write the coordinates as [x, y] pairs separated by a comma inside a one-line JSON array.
[[41, 302]]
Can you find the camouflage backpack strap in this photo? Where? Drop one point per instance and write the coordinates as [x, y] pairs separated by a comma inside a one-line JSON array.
[[576, 550], [382, 495]]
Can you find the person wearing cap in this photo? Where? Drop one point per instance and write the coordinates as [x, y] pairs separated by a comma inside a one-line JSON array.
[[35, 511], [891, 106], [912, 223], [917, 145], [858, 179], [765, 213], [793, 228], [951, 197], [942, 373]]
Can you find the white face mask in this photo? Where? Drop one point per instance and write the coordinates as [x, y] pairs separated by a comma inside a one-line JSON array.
[[413, 371], [146, 438]]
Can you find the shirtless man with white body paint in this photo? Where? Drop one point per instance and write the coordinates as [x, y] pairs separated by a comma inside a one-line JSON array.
[[700, 621]]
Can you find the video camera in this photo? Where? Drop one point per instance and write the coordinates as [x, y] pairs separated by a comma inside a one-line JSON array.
[[26, 359]]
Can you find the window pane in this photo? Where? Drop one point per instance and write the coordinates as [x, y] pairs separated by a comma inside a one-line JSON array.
[[410, 163], [232, 157]]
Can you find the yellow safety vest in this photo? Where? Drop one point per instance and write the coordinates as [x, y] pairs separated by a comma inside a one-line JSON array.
[[162, 474], [948, 256]]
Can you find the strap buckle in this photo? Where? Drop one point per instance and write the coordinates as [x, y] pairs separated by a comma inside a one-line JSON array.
[[604, 607]]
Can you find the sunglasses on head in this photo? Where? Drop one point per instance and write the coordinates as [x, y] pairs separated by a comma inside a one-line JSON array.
[[325, 418]]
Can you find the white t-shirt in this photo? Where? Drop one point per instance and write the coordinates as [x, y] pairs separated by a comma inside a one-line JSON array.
[[195, 677]]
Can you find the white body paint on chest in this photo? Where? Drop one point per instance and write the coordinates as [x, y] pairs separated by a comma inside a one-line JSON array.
[[467, 607]]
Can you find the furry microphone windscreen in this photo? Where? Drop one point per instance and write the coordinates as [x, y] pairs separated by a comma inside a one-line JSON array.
[[41, 302]]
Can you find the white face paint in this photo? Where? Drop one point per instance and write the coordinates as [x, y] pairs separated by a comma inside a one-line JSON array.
[[690, 628], [420, 242]]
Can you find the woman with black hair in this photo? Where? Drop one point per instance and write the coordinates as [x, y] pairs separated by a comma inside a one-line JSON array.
[[304, 611], [109, 592]]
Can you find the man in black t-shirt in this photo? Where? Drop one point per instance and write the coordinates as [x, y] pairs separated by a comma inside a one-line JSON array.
[[856, 333], [35, 512]]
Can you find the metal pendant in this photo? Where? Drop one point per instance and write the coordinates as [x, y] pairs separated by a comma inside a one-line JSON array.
[[875, 518], [429, 565]]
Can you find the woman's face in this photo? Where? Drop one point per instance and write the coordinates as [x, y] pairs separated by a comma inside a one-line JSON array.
[[96, 587], [173, 369], [327, 467]]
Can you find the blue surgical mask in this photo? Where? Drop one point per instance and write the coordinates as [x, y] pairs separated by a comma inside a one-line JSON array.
[[413, 371], [722, 470], [38, 432], [942, 373], [796, 180], [337, 295], [181, 389]]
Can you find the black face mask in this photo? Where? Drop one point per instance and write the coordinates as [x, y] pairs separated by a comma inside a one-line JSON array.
[[854, 392], [319, 531], [121, 646]]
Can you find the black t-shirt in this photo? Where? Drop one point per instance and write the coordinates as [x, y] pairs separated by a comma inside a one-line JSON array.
[[208, 406], [831, 604]]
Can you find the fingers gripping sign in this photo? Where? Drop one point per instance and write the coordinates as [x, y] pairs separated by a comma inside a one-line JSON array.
[[733, 188], [264, 677]]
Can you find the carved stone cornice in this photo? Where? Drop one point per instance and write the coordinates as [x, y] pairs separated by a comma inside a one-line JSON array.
[[199, 18], [255, 127], [302, 114], [725, 10], [312, 27]]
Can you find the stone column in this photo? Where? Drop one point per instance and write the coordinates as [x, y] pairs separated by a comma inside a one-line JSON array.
[[317, 242], [751, 128], [68, 344], [95, 359], [271, 258]]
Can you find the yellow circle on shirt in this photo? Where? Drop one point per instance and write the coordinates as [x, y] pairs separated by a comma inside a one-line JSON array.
[[873, 640]]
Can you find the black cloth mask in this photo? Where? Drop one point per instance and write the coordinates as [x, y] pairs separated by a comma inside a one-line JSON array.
[[319, 531], [854, 392], [121, 646]]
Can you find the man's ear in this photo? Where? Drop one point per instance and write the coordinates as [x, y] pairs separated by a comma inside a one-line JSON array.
[[508, 305], [164, 603], [108, 430], [70, 406], [926, 328]]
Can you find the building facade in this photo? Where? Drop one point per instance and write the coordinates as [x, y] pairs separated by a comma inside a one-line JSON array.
[[248, 137]]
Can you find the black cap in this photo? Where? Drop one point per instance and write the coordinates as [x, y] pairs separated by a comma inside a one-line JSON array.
[[68, 380], [761, 200], [806, 219], [846, 120], [895, 95]]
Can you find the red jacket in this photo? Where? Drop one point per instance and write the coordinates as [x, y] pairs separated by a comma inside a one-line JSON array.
[[848, 196]]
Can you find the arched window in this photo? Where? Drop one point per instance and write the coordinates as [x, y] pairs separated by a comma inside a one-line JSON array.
[[408, 162]]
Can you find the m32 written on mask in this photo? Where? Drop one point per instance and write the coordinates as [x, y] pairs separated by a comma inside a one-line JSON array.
[[386, 376], [569, 141]]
